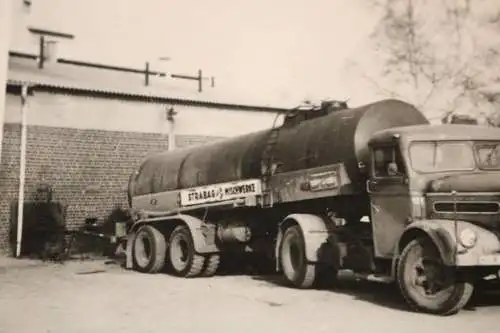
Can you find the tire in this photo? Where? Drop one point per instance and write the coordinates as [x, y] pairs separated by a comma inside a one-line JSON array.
[[184, 262], [416, 285], [211, 265], [149, 250], [296, 271]]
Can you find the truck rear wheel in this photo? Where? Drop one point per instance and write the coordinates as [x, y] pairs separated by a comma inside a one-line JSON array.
[[149, 250], [296, 270], [211, 265], [184, 261], [427, 284]]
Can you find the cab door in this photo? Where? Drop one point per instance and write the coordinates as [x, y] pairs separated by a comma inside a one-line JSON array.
[[389, 198]]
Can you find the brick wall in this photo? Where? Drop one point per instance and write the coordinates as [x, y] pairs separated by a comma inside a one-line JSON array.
[[77, 143], [88, 169]]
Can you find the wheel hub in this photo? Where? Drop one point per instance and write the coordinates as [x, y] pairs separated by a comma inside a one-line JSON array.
[[430, 276]]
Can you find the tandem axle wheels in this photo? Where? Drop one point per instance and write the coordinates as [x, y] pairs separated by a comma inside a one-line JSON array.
[[151, 253]]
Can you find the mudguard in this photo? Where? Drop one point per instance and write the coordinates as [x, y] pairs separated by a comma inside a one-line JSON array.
[[314, 230], [203, 234], [444, 236]]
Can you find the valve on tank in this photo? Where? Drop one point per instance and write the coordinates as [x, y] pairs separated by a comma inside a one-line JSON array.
[[309, 110], [334, 105]]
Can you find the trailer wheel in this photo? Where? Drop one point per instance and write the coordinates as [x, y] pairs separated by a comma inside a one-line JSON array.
[[211, 265], [149, 250], [184, 262], [427, 284], [296, 270]]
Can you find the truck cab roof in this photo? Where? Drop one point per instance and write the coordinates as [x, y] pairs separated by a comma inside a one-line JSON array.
[[436, 133]]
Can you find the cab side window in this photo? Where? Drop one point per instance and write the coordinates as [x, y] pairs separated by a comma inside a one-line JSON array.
[[387, 162]]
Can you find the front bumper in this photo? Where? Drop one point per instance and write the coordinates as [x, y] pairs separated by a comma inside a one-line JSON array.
[[489, 260], [471, 259]]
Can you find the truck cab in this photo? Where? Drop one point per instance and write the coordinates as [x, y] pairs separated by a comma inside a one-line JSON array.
[[435, 209]]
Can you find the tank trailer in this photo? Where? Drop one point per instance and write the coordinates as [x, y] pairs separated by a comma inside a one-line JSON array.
[[375, 190]]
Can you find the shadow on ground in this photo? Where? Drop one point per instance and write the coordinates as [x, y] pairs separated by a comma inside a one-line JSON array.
[[375, 293], [260, 270], [484, 297], [387, 295]]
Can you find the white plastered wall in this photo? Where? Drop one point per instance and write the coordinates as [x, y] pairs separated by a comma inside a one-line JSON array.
[[56, 110]]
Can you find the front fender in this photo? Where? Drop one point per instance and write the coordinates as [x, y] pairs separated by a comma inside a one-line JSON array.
[[444, 236], [315, 231], [439, 232]]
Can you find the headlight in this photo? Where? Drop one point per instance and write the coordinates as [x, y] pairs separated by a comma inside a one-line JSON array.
[[468, 238]]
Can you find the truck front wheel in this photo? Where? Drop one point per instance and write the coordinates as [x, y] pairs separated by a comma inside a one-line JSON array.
[[149, 250], [184, 262], [296, 270], [427, 284]]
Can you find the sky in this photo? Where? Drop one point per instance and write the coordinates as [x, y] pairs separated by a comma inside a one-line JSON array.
[[279, 51]]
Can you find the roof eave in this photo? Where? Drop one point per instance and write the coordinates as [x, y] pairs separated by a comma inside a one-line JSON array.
[[47, 87]]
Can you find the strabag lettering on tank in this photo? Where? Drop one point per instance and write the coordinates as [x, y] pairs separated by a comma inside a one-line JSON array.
[[219, 192], [206, 194]]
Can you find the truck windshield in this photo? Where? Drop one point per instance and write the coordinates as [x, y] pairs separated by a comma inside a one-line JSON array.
[[439, 156], [488, 155]]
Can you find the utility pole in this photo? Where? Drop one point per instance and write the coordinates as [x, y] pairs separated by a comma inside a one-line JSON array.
[[5, 37], [198, 78], [148, 72]]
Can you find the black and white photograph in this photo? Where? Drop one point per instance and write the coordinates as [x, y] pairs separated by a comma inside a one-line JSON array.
[[249, 166]]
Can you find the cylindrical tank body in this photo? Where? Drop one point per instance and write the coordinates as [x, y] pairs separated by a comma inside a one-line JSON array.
[[340, 136]]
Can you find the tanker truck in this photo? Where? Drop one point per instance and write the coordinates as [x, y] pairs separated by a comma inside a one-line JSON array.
[[374, 190]]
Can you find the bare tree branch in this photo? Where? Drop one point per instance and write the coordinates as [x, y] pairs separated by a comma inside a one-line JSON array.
[[389, 92], [430, 65]]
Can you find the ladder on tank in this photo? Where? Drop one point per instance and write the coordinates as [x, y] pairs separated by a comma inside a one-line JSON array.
[[267, 166]]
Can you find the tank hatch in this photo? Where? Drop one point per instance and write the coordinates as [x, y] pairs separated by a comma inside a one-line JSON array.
[[309, 111]]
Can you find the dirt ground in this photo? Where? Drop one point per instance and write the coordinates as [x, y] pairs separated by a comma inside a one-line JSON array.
[[95, 296]]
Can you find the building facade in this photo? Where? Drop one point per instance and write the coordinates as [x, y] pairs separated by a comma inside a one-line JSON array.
[[89, 125], [89, 128]]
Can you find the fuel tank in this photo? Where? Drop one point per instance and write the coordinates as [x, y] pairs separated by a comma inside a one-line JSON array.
[[338, 136]]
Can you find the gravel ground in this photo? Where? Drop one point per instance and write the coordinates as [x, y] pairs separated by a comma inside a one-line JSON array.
[[92, 296]]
